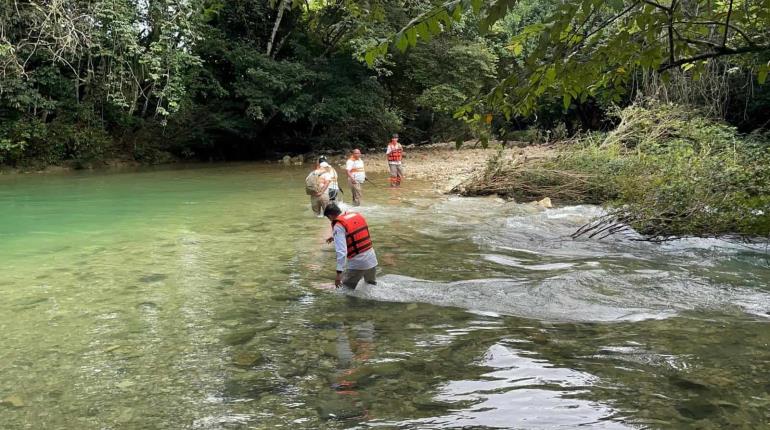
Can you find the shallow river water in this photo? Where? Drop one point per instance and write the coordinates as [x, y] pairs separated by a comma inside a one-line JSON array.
[[187, 299]]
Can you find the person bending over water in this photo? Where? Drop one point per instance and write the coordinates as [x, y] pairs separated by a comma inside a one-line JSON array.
[[317, 187], [353, 245]]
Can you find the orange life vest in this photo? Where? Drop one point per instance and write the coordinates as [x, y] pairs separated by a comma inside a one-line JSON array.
[[356, 233], [396, 153]]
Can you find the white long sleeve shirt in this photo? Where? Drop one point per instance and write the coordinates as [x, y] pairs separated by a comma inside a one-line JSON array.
[[362, 261], [356, 170]]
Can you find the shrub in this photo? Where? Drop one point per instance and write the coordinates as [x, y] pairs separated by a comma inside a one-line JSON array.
[[667, 171]]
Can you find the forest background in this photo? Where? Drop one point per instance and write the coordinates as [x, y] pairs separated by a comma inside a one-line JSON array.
[[663, 104]]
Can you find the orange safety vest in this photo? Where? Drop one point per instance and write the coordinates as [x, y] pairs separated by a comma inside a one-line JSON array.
[[356, 233], [395, 153]]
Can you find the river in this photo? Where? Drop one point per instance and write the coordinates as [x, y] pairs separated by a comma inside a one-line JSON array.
[[187, 298]]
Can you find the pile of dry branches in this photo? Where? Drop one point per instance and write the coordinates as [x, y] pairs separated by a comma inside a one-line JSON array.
[[530, 183]]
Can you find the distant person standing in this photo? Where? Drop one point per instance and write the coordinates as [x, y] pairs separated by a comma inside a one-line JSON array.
[[395, 153], [356, 175], [353, 246], [330, 175], [317, 187]]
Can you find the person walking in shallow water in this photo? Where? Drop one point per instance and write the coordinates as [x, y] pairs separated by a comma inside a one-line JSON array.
[[395, 153], [353, 246], [317, 187], [330, 176], [356, 175]]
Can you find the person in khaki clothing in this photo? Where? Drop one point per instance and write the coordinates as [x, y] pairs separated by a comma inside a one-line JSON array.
[[353, 245], [356, 175]]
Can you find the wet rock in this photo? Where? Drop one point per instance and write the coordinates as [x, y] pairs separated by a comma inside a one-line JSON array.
[[412, 326], [689, 383], [286, 160], [338, 409], [240, 337], [250, 385], [542, 204], [697, 410], [294, 368], [13, 401], [248, 358]]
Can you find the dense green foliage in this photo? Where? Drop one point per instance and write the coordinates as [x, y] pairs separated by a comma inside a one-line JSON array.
[[212, 79], [209, 79], [666, 170], [595, 49]]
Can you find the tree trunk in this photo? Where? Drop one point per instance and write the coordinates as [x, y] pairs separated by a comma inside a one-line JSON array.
[[278, 19]]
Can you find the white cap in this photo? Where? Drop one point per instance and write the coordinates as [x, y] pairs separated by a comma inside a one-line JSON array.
[[324, 164]]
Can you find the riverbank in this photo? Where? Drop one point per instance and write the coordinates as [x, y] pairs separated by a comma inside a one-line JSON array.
[[447, 167], [441, 163], [667, 171]]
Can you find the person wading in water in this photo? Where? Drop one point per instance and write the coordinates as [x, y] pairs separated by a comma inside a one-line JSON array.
[[350, 234], [395, 153], [356, 175], [330, 176], [317, 187]]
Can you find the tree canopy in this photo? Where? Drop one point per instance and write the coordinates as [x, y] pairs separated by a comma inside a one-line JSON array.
[[213, 79]]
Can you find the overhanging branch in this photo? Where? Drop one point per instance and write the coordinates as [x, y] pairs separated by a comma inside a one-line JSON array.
[[721, 52]]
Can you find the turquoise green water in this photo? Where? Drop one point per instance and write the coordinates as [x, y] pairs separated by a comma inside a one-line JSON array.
[[187, 298]]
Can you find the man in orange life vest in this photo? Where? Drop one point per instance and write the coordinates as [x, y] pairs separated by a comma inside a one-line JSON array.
[[352, 242], [395, 152]]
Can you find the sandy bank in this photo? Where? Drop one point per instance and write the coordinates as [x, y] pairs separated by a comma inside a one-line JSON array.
[[442, 163]]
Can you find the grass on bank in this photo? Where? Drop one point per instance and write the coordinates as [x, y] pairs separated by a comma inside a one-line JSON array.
[[666, 170]]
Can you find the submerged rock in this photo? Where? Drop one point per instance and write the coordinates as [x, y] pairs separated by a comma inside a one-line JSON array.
[[248, 358], [338, 409], [240, 337], [542, 204], [14, 401], [153, 277]]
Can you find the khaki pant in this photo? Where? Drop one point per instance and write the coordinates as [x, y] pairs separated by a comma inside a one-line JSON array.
[[319, 203], [350, 277], [355, 191], [396, 174]]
